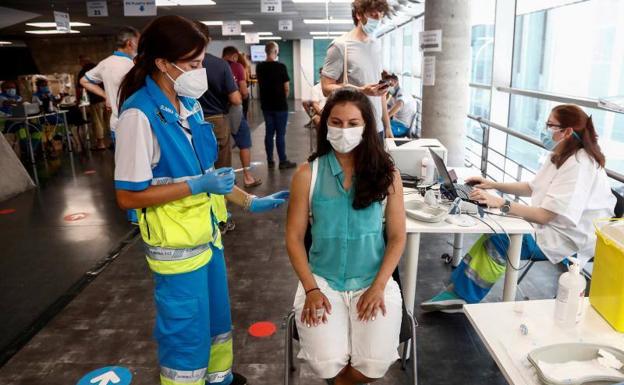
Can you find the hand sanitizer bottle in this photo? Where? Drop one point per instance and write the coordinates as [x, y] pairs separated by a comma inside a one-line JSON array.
[[570, 295]]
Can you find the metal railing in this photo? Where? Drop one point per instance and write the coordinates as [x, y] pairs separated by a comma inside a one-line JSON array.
[[519, 168]]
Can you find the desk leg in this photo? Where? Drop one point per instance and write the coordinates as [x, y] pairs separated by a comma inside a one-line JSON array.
[[458, 246], [30, 146], [511, 274], [67, 132], [412, 249]]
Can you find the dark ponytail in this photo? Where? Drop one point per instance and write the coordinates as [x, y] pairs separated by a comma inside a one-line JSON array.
[[584, 135], [172, 38]]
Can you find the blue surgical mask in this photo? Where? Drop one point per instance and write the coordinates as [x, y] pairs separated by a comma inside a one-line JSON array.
[[547, 140], [11, 92], [371, 26]]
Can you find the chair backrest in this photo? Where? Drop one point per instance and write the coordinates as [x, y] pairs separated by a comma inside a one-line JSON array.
[[619, 204]]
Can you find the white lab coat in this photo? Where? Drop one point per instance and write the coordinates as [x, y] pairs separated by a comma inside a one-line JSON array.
[[579, 193]]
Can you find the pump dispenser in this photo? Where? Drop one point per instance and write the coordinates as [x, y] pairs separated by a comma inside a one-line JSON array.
[[570, 295]]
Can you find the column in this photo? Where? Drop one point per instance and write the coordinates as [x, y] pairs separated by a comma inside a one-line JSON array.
[[445, 104]]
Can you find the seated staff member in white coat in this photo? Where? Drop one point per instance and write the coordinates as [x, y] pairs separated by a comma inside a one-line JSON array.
[[348, 307], [568, 193]]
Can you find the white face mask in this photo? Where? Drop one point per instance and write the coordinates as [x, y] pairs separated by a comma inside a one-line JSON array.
[[344, 140], [192, 84]]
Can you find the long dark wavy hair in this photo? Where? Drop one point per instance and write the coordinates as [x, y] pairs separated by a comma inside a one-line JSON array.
[[571, 115], [172, 38], [373, 166]]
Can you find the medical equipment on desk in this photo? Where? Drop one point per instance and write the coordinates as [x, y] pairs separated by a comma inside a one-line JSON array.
[[570, 295], [578, 363], [408, 155]]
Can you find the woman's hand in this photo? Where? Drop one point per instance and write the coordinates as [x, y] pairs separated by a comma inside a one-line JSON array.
[[315, 309], [370, 303], [480, 182], [493, 201], [374, 89]]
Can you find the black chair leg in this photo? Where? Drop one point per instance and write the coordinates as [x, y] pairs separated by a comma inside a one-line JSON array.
[[288, 351], [526, 271]]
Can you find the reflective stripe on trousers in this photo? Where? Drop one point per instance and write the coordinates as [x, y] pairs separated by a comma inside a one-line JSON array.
[[193, 324]]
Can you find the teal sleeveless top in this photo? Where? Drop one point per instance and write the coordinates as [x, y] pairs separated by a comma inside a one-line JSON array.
[[347, 244]]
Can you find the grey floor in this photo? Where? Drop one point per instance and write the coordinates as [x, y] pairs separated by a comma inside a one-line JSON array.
[[110, 321]]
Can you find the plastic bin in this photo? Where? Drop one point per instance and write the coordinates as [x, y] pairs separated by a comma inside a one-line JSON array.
[[607, 287]]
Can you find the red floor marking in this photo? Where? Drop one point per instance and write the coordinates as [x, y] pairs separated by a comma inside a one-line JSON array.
[[89, 172], [75, 217], [262, 329], [7, 211]]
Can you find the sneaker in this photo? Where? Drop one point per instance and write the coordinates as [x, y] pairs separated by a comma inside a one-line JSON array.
[[270, 164], [446, 302], [239, 379], [287, 164]]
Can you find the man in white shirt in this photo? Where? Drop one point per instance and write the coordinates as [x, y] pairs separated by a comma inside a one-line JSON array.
[[402, 106], [111, 71], [314, 106], [363, 54]]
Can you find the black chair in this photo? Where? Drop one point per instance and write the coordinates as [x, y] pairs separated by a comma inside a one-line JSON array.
[[618, 213], [407, 334]]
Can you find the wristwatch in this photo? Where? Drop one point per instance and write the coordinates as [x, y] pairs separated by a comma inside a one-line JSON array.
[[506, 206]]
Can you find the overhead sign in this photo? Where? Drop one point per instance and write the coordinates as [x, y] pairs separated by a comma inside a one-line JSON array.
[[285, 25], [231, 28], [139, 7], [428, 71], [431, 41], [252, 38], [62, 21], [110, 375], [271, 6], [97, 9]]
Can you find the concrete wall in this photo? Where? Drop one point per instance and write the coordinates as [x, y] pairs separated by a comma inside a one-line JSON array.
[[60, 54]]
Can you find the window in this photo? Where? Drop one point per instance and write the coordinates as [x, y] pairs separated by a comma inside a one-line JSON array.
[[576, 49]]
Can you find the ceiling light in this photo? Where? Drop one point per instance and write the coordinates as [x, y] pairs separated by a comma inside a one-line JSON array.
[[322, 1], [48, 24], [258, 33], [5, 43], [215, 23], [323, 37], [175, 3], [49, 31], [336, 33], [327, 21], [270, 38]]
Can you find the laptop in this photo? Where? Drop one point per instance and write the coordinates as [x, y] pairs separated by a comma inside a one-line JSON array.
[[453, 190]]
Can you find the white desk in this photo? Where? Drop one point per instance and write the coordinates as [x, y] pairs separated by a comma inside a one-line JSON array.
[[498, 325], [513, 226]]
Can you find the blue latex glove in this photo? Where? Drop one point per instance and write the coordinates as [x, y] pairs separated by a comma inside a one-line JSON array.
[[219, 181], [269, 202]]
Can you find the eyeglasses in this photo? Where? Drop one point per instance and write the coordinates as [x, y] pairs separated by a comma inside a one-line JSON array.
[[552, 126]]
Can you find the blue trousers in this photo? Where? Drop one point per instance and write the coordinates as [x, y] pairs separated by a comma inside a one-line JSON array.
[[485, 264], [275, 122], [194, 325]]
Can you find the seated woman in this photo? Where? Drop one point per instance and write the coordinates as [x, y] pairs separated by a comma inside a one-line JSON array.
[[348, 307], [568, 193]]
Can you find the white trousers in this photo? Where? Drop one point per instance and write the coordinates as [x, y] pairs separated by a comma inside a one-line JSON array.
[[370, 347]]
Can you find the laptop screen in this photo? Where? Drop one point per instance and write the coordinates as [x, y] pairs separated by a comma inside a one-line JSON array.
[[439, 163]]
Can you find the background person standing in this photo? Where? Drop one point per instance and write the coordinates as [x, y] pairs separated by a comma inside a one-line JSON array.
[[111, 71], [274, 86]]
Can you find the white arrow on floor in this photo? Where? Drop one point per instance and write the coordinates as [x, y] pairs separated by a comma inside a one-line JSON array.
[[104, 379]]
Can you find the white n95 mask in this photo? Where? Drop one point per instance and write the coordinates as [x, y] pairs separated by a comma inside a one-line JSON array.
[[192, 84], [344, 140]]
